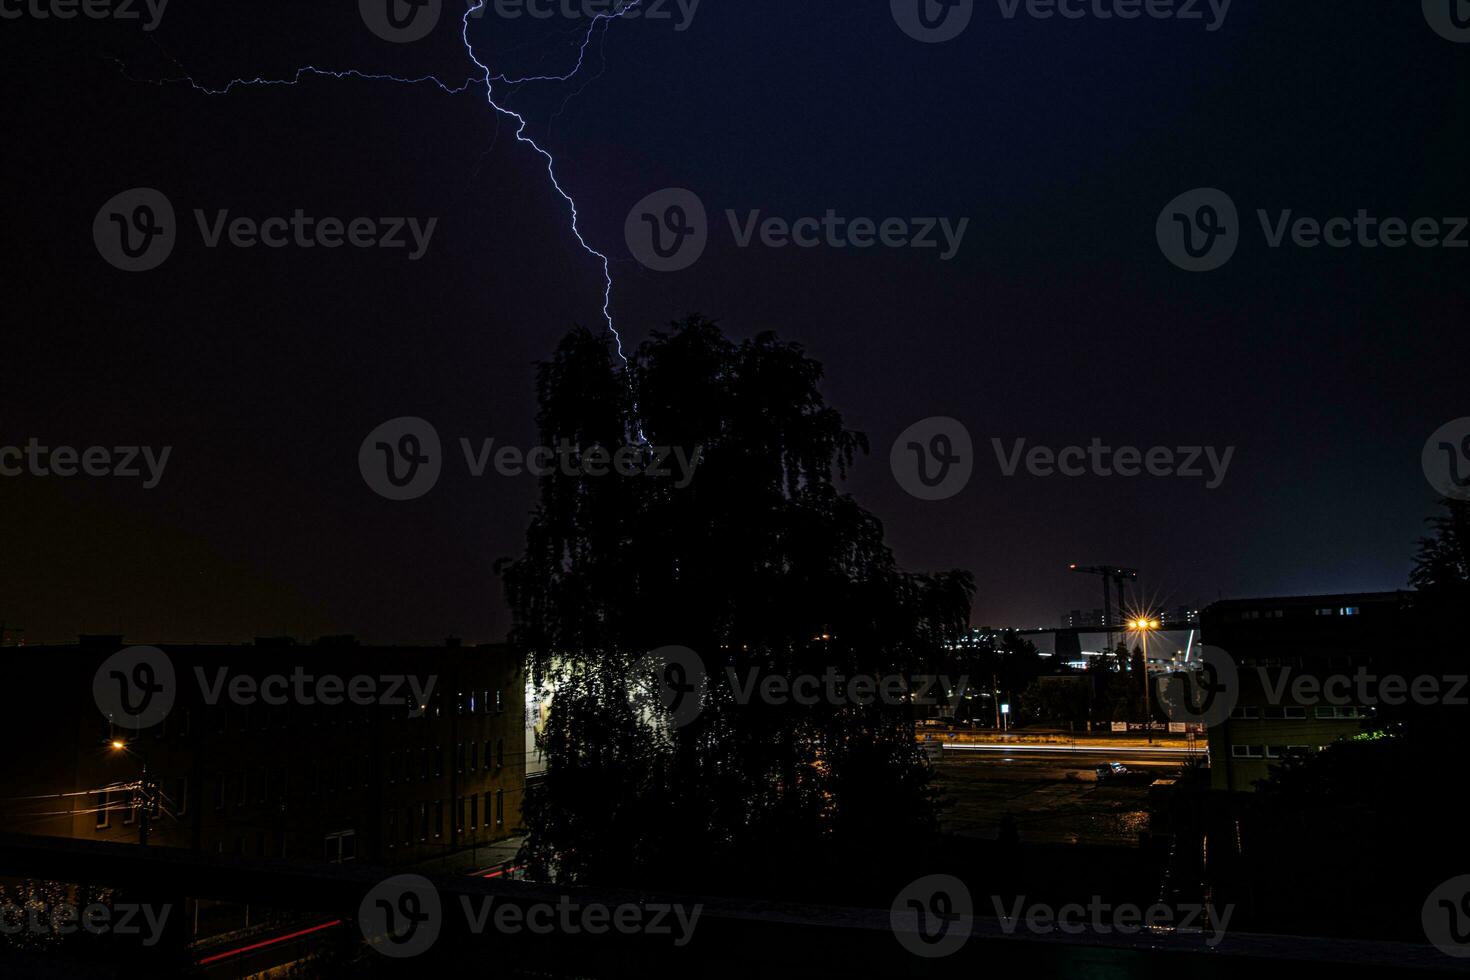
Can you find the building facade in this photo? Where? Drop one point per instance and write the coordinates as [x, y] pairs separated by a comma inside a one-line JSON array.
[[1296, 659], [330, 752]]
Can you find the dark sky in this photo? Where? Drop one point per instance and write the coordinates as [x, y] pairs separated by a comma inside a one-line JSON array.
[[1058, 321]]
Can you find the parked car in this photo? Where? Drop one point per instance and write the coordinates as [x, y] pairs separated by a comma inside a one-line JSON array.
[[1109, 770]]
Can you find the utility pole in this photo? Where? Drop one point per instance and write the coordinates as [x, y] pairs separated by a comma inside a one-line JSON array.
[[145, 808]]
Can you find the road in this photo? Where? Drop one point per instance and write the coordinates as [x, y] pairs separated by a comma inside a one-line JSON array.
[[1051, 792]]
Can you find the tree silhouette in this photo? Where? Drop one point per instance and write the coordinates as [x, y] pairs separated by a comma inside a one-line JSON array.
[[762, 567]]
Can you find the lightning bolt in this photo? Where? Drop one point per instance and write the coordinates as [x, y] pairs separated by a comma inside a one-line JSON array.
[[521, 136], [488, 80]]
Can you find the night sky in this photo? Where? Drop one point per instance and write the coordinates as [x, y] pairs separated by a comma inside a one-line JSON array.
[[1058, 321]]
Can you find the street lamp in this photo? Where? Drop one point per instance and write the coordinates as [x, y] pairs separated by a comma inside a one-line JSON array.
[[1143, 625]]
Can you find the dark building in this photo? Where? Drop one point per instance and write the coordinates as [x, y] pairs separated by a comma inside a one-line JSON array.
[[329, 752], [1282, 646]]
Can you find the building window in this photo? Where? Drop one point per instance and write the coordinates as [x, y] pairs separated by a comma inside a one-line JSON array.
[[181, 796], [423, 821], [1246, 712], [340, 847], [474, 756], [1294, 712], [392, 834], [438, 818], [474, 813], [500, 808], [499, 753], [1246, 752], [1348, 611]]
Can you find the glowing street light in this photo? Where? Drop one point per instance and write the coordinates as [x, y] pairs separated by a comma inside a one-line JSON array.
[[1143, 625]]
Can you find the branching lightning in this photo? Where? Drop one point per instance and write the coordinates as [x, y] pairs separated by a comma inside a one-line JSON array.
[[488, 80], [521, 136]]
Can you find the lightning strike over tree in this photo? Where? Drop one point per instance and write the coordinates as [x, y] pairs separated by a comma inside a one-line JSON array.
[[488, 80]]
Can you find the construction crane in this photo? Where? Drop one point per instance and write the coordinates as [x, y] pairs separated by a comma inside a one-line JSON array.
[[1110, 574]]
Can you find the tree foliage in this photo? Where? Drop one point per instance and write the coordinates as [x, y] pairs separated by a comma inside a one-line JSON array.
[[759, 564]]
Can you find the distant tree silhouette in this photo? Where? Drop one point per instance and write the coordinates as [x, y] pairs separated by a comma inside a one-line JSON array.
[[760, 563], [1441, 573]]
